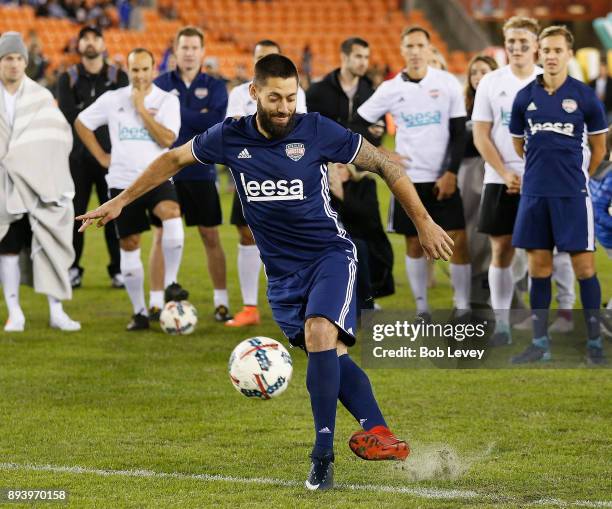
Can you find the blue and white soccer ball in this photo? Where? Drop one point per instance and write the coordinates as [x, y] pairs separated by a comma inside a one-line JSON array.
[[260, 367], [178, 318]]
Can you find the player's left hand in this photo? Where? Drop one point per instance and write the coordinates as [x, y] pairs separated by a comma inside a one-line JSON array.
[[445, 186], [434, 240]]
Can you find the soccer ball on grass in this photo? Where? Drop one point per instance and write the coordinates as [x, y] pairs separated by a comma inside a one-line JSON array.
[[260, 367]]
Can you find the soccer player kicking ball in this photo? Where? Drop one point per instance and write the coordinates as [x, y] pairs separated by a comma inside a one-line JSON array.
[[309, 259], [552, 119]]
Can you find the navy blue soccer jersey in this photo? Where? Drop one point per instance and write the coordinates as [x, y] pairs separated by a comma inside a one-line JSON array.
[[555, 127], [283, 185], [203, 104]]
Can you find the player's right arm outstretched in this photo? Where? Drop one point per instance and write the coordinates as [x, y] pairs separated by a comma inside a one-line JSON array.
[[434, 240], [160, 170]]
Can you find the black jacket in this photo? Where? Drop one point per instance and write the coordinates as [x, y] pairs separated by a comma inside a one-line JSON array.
[[328, 98], [608, 96], [76, 90], [359, 214]]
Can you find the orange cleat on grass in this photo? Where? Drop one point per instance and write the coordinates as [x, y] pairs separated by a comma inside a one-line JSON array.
[[248, 316], [378, 444]]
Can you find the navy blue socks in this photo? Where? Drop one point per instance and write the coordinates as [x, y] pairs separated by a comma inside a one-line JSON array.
[[323, 384], [539, 296], [590, 295], [357, 396]]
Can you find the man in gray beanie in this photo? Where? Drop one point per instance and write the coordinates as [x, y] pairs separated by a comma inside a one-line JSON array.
[[12, 42], [36, 190]]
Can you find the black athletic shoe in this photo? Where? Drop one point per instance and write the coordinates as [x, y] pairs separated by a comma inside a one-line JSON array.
[[423, 317], [532, 353], [139, 322], [154, 314], [222, 314], [595, 356], [175, 292], [321, 476]]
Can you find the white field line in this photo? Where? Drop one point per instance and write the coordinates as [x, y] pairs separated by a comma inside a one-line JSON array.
[[427, 493]]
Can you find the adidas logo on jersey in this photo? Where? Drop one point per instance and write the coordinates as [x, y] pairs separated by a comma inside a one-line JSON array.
[[270, 190], [532, 107], [244, 154]]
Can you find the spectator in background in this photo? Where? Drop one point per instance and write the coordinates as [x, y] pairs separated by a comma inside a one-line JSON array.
[[203, 101], [437, 60], [338, 95], [354, 197], [600, 186], [37, 63], [603, 88], [36, 211], [470, 178], [307, 61], [124, 8], [77, 88]]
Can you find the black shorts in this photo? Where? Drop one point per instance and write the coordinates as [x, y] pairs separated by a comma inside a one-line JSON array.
[[18, 236], [138, 215], [448, 213], [200, 203], [237, 215], [498, 210]]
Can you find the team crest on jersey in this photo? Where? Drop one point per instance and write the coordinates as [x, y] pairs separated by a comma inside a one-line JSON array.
[[201, 93], [295, 151], [434, 93], [569, 105]]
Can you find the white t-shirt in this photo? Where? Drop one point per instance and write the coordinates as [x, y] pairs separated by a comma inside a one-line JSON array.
[[132, 147], [421, 112], [493, 103], [240, 103], [9, 105]]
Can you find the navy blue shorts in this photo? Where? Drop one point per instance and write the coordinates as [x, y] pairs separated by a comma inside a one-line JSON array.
[[547, 222], [326, 288]]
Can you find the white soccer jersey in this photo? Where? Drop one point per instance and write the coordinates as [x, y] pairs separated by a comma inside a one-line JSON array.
[[421, 112], [132, 147], [493, 103], [240, 103]]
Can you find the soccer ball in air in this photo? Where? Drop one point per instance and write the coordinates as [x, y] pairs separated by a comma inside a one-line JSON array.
[[260, 367], [178, 318]]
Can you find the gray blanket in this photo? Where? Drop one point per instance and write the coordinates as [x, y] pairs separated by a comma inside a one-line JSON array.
[[35, 180]]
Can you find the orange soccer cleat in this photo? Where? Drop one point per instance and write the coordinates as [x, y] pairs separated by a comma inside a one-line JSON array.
[[248, 316], [378, 444]]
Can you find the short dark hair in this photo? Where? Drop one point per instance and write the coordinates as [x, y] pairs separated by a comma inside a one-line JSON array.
[[414, 29], [189, 31], [268, 43], [274, 66], [137, 51], [347, 45]]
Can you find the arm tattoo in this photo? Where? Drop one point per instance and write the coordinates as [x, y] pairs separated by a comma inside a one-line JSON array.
[[369, 158]]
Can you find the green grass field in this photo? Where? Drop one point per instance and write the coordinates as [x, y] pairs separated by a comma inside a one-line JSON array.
[[149, 420]]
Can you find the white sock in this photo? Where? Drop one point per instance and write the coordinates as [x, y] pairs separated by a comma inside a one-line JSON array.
[[563, 275], [249, 265], [133, 274], [609, 306], [416, 270], [220, 298], [55, 306], [156, 299], [10, 277], [461, 278], [502, 288], [173, 238]]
